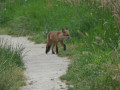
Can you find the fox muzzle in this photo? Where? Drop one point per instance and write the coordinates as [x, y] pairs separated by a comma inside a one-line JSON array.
[[65, 37]]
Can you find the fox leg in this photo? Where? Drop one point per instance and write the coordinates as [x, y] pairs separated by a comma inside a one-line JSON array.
[[53, 48], [64, 46], [48, 46]]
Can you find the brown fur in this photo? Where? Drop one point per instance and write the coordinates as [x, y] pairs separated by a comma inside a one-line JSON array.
[[55, 37]]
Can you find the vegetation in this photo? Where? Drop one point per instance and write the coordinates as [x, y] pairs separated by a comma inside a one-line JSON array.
[[11, 67], [95, 57]]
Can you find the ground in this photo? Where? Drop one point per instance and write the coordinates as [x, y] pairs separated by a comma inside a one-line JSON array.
[[42, 70]]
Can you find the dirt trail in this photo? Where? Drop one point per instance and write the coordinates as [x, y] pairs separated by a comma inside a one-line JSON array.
[[42, 71]]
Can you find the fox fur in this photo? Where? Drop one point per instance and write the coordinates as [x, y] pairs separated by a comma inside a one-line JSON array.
[[57, 36]]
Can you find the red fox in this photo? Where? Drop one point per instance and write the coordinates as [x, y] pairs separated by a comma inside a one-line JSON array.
[[55, 37]]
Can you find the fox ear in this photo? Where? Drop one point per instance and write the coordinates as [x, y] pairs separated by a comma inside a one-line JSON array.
[[66, 28], [63, 30]]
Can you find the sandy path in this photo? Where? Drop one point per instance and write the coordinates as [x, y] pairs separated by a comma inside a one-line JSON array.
[[42, 71]]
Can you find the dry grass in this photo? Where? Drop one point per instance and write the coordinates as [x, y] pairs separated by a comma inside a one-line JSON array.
[[73, 1]]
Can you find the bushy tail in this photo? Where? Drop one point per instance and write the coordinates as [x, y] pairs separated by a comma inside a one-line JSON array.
[[48, 46]]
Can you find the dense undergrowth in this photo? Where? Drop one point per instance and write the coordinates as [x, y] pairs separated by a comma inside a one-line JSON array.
[[94, 59], [11, 67]]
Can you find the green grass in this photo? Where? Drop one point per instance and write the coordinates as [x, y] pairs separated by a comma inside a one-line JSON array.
[[11, 67], [94, 60], [91, 70]]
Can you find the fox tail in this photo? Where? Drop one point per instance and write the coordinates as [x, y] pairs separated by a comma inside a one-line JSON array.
[[48, 46]]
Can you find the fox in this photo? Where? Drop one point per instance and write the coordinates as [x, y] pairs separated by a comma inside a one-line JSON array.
[[54, 37]]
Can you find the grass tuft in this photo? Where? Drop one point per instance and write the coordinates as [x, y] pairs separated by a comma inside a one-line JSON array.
[[11, 66]]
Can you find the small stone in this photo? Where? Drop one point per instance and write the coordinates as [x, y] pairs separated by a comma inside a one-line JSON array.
[[71, 86]]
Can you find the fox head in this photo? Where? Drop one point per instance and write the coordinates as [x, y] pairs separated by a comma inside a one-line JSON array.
[[66, 33]]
